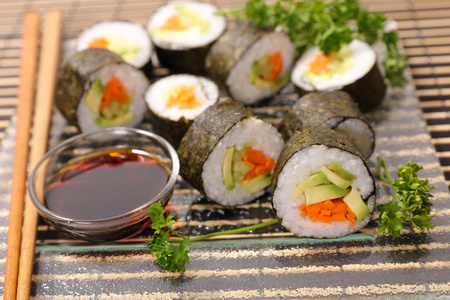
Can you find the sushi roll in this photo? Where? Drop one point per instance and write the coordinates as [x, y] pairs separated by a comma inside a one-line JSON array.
[[175, 101], [251, 64], [322, 186], [97, 89], [353, 69], [183, 33], [128, 40], [336, 110], [228, 154]]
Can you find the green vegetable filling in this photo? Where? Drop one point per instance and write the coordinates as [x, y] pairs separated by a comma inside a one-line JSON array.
[[113, 113], [332, 182], [247, 167]]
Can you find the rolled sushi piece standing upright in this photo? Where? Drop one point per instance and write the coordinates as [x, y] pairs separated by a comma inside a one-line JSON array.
[[128, 40], [183, 32], [322, 186], [250, 63], [97, 89], [336, 110], [353, 69], [228, 154], [175, 101]]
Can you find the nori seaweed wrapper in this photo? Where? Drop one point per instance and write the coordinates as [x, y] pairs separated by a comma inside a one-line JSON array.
[[229, 49], [368, 91], [317, 108], [315, 136], [191, 61], [204, 134], [74, 78], [172, 131]]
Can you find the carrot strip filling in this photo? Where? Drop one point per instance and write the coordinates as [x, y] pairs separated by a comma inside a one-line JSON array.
[[276, 60], [327, 211], [260, 163], [320, 64], [175, 23], [99, 43], [114, 91], [184, 99]]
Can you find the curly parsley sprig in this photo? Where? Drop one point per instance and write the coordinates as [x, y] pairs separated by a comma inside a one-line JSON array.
[[411, 201], [328, 25], [172, 257]]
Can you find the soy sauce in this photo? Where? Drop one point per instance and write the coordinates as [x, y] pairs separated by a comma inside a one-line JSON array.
[[106, 185]]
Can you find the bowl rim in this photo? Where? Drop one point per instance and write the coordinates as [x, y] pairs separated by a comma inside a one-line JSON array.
[[132, 213]]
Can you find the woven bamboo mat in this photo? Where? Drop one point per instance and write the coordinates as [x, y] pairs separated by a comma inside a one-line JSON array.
[[266, 264]]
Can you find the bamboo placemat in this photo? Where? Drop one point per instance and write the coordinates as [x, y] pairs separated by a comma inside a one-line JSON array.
[[290, 270]]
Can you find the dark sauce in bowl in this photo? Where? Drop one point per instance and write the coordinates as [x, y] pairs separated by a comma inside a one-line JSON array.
[[106, 185]]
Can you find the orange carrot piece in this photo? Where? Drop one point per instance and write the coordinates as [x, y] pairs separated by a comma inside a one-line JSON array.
[[339, 207], [303, 211], [276, 60], [185, 99], [175, 23], [99, 43], [250, 175], [340, 217], [319, 64], [313, 209], [260, 170], [328, 205], [325, 219], [270, 163], [114, 90], [325, 212]]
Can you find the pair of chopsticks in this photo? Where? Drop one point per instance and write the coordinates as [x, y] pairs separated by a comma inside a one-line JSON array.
[[22, 238]]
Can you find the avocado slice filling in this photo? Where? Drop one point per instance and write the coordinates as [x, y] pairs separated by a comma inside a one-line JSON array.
[[248, 167], [329, 191], [110, 102]]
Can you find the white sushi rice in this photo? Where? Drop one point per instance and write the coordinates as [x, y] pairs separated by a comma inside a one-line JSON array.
[[239, 83], [191, 38], [360, 132], [266, 138], [204, 89], [136, 84], [128, 31], [299, 167], [364, 60]]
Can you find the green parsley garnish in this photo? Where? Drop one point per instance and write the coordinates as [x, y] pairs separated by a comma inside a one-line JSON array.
[[410, 202], [326, 25], [172, 257]]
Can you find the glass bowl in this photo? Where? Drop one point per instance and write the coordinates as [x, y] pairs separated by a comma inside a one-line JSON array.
[[98, 186]]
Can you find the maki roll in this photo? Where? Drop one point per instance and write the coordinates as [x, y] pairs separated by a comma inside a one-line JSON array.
[[128, 40], [322, 186], [97, 89], [183, 33], [228, 154], [175, 101], [336, 110], [353, 69], [250, 63]]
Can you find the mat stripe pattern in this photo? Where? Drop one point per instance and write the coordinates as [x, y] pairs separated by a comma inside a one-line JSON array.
[[269, 263]]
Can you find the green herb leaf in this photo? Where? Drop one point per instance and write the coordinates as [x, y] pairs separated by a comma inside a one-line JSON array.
[[411, 201], [172, 257], [328, 25]]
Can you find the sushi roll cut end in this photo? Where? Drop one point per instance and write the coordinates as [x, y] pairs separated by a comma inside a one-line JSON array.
[[184, 25], [322, 191], [241, 165], [175, 101], [128, 40], [114, 98], [353, 69]]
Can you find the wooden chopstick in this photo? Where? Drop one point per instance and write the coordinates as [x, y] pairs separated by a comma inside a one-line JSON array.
[[47, 77], [29, 55]]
